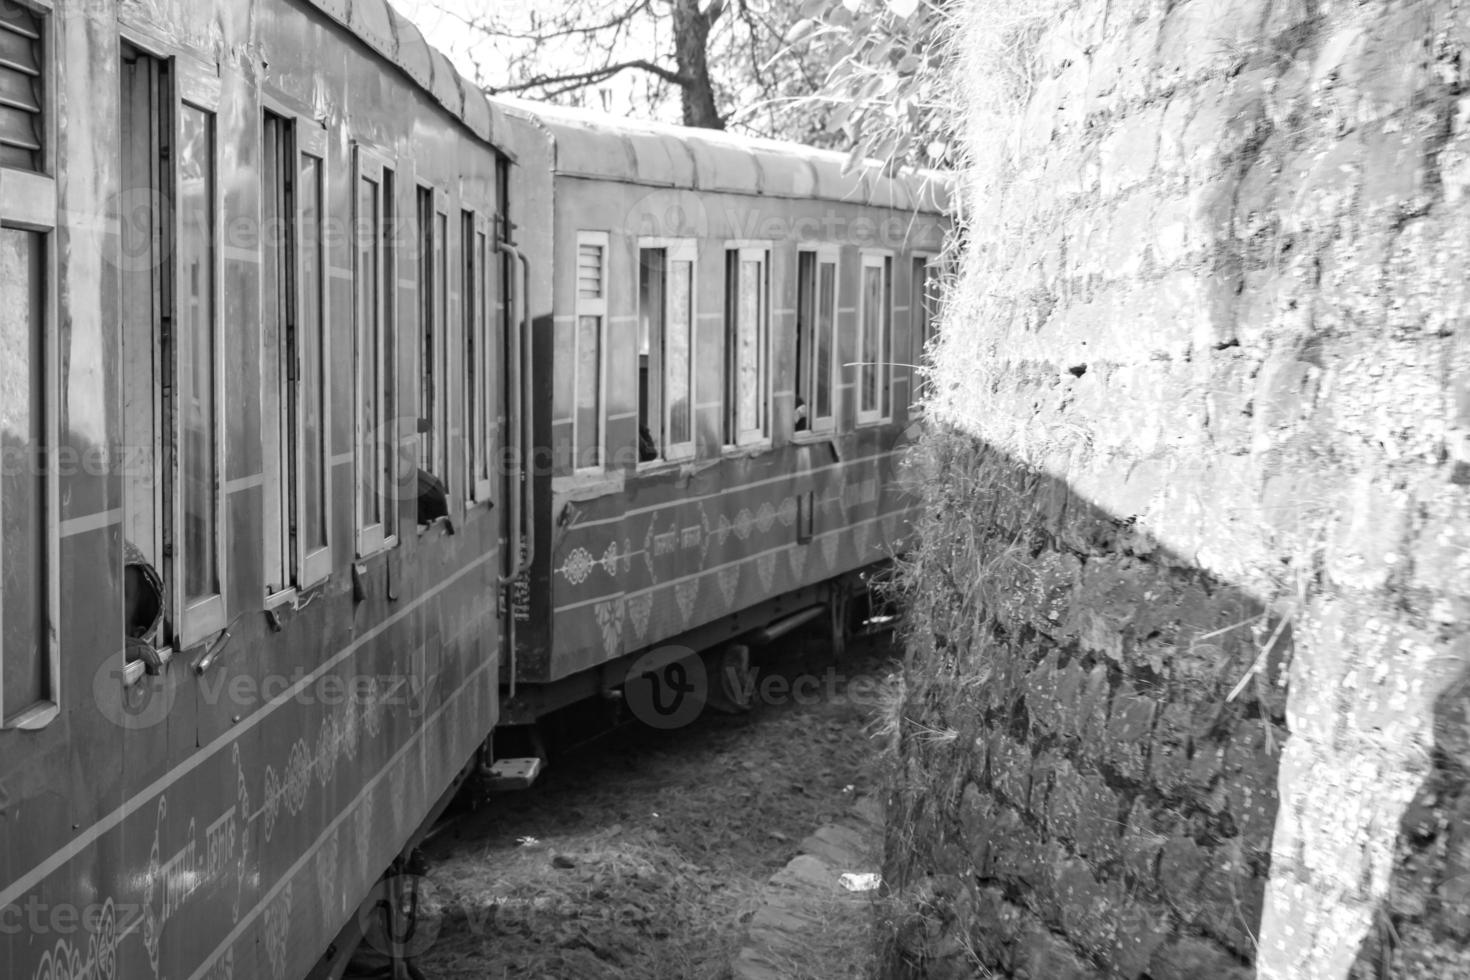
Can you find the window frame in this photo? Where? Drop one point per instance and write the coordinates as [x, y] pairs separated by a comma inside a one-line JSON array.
[[429, 290], [821, 425], [197, 87], [598, 307], [373, 164], [479, 408], [675, 250], [881, 259], [279, 479], [314, 565], [28, 202], [741, 252]]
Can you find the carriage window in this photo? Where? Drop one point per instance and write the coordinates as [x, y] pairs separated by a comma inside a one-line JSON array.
[[480, 417], [747, 329], [464, 404], [431, 298], [29, 664], [665, 346], [665, 353], [292, 372], [172, 452], [925, 307], [816, 310], [196, 418], [591, 320], [23, 509], [377, 446], [875, 313], [309, 408], [145, 279], [277, 327]]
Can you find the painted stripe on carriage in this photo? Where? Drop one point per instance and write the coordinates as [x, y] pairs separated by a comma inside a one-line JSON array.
[[341, 459], [622, 415], [87, 523], [744, 486], [714, 571], [291, 872], [88, 837], [244, 483]]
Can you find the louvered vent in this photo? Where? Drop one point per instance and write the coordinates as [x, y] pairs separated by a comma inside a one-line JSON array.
[[589, 271], [21, 124]]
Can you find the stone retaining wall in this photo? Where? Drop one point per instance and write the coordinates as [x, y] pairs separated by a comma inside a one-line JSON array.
[[1198, 534]]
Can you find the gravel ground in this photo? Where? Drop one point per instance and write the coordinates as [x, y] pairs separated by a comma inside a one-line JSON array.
[[642, 855]]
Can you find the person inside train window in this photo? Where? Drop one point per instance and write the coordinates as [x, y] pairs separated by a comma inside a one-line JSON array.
[[800, 414], [142, 608], [433, 498], [647, 448]]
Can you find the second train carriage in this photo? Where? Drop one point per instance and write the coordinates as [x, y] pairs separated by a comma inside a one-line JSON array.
[[722, 394]]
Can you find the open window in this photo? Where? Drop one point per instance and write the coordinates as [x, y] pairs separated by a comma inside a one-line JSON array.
[[432, 228], [293, 388], [816, 346], [479, 302], [376, 469], [468, 343], [311, 397], [747, 340], [172, 377], [588, 341], [665, 351], [875, 321], [30, 678]]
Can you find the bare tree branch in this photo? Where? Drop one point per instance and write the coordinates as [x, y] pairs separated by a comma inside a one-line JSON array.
[[576, 80], [568, 29]]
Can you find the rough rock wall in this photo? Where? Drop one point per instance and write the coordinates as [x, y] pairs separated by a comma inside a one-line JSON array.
[[1198, 501]]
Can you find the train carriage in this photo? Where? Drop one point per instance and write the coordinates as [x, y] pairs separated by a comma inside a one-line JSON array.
[[722, 395]]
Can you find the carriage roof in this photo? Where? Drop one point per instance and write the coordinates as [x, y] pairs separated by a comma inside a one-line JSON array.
[[599, 146]]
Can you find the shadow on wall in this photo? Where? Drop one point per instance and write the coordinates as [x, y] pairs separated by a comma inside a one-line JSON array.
[[1424, 930], [1088, 745]]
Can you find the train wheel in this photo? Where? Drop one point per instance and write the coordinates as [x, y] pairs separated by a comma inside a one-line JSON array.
[[733, 687]]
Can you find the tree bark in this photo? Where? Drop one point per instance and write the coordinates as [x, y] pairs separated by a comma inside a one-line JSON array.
[[691, 53]]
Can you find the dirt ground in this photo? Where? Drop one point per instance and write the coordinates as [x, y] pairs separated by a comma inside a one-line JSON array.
[[641, 854]]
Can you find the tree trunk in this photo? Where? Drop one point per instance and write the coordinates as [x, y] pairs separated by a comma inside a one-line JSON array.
[[691, 52]]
